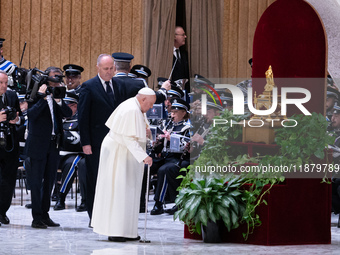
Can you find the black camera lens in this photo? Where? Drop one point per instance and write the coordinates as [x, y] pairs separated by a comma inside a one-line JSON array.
[[59, 92]]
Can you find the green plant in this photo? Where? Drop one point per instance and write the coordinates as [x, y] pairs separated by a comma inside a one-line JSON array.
[[305, 140], [211, 198], [297, 146]]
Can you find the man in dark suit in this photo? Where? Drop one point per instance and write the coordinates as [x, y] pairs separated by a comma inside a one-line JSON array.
[[42, 147], [99, 97], [180, 75], [9, 151]]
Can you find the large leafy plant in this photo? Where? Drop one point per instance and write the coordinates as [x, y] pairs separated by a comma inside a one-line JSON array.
[[209, 198], [307, 139], [297, 146]]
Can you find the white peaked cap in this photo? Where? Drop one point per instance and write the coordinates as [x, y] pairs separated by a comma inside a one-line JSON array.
[[146, 91]]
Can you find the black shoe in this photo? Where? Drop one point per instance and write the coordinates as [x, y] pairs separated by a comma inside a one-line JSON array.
[[55, 197], [117, 239], [60, 205], [4, 219], [28, 206], [81, 207], [132, 239], [90, 224], [157, 209], [50, 223], [38, 224], [172, 210]]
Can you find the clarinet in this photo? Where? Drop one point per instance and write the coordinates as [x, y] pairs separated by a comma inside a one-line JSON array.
[[199, 130], [184, 153]]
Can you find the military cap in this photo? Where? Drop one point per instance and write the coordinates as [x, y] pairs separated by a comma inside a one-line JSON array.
[[1, 42], [71, 69], [122, 57], [179, 104], [141, 71], [336, 107], [332, 91], [226, 98], [21, 97], [200, 80], [71, 97], [175, 92], [212, 105]]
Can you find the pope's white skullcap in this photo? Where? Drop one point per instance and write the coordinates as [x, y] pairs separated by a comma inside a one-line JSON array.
[[146, 91]]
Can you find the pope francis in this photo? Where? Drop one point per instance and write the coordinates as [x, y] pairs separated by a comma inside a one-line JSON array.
[[121, 166]]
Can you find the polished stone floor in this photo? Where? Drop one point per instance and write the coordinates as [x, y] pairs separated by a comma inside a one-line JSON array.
[[166, 236]]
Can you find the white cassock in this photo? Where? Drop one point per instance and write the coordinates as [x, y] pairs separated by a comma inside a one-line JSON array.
[[120, 173]]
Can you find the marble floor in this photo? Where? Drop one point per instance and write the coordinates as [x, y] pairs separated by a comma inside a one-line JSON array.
[[166, 236]]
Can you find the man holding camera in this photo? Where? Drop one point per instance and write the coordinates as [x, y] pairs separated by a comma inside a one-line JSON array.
[[9, 144], [45, 116]]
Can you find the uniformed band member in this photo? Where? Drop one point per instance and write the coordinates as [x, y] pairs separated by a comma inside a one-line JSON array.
[[122, 63], [72, 158], [73, 77], [167, 168], [141, 72], [202, 128], [5, 65], [173, 93]]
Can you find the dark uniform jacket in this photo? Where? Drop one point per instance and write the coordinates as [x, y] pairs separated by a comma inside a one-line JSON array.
[[133, 85]]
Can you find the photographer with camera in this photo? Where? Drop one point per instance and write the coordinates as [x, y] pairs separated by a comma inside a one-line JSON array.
[[45, 114], [9, 144]]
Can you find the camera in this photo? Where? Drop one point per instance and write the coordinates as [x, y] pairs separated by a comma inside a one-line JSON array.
[[35, 78], [4, 126], [31, 80]]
